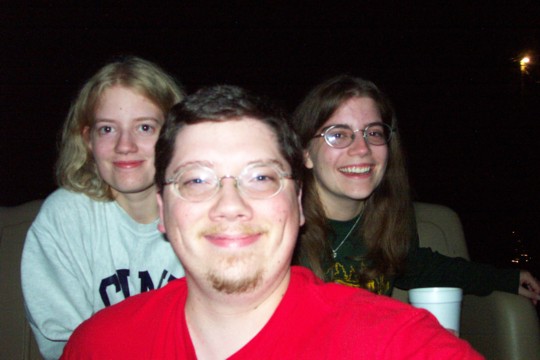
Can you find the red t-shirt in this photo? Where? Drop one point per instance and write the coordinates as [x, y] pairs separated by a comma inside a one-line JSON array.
[[315, 320]]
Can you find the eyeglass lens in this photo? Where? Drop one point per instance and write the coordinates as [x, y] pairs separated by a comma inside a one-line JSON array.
[[341, 136], [199, 183]]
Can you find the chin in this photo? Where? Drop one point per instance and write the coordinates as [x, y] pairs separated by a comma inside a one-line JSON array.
[[241, 285], [132, 188], [360, 195]]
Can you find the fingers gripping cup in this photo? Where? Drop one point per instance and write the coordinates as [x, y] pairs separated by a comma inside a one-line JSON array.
[[443, 302]]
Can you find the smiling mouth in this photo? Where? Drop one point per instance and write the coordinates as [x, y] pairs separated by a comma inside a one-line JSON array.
[[356, 169], [128, 164], [233, 241]]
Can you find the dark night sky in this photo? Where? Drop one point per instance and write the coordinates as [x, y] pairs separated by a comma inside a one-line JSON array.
[[469, 119]]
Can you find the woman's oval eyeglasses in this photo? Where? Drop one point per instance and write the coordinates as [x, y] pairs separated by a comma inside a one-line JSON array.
[[341, 136]]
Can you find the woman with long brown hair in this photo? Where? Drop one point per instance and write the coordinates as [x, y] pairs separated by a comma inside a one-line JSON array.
[[360, 227]]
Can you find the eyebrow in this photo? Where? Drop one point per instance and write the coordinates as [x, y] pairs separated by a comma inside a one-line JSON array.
[[146, 118], [376, 122], [210, 164], [139, 119], [207, 164]]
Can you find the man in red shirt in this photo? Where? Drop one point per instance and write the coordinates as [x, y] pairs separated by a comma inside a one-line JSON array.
[[228, 170]]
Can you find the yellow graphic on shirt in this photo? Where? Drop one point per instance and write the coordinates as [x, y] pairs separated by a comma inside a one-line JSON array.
[[380, 285]]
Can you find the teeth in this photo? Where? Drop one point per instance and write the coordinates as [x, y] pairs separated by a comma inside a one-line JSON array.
[[356, 169]]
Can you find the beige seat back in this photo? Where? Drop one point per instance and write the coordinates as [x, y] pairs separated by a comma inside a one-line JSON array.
[[16, 339], [501, 325]]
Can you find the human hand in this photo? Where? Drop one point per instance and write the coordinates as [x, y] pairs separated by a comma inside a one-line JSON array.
[[529, 286]]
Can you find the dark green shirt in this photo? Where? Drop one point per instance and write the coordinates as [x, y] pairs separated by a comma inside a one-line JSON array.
[[425, 268]]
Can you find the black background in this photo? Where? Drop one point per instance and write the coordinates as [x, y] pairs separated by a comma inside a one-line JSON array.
[[468, 115]]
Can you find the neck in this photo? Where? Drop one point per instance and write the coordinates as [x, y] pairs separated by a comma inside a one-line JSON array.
[[221, 324], [141, 206]]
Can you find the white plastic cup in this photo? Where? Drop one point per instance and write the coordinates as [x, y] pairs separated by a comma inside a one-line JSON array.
[[443, 302]]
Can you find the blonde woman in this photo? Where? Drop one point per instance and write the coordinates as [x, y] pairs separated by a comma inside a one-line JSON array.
[[95, 241]]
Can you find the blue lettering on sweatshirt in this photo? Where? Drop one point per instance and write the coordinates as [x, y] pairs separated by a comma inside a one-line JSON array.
[[119, 283]]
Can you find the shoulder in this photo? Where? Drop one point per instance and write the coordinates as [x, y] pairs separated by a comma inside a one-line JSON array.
[[64, 201], [65, 205], [374, 324], [327, 292], [338, 295], [347, 306], [123, 324], [138, 309], [61, 194]]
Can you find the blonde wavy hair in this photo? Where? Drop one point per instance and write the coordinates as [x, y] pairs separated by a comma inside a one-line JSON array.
[[76, 169]]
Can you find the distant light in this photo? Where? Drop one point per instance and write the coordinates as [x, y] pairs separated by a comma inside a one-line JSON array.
[[523, 64]]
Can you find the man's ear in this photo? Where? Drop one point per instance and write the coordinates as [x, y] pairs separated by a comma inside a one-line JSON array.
[[161, 225], [302, 218], [307, 160]]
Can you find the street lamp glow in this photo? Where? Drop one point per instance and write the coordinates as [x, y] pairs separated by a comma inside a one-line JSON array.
[[523, 63]]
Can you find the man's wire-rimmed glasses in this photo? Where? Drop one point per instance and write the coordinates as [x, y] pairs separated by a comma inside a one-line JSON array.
[[341, 136], [196, 182]]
